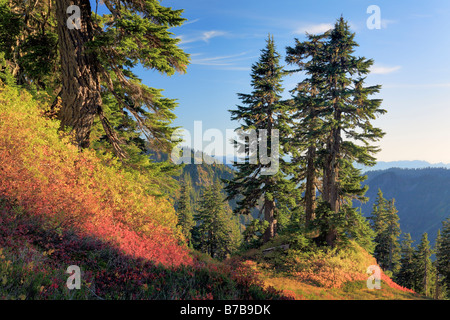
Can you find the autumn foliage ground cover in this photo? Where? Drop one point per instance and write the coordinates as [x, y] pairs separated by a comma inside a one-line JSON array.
[[61, 207], [312, 272], [48, 177]]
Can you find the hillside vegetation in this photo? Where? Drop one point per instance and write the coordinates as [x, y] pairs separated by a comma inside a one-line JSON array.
[[61, 207], [307, 272]]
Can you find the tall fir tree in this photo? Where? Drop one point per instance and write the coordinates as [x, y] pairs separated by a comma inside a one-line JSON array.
[[385, 223], [378, 213], [423, 268], [438, 283], [262, 109], [306, 141], [107, 48], [184, 209], [392, 234], [443, 258], [88, 70], [405, 275], [214, 232], [339, 124]]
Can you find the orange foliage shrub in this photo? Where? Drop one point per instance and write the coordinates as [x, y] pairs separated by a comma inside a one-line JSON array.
[[50, 178], [333, 270]]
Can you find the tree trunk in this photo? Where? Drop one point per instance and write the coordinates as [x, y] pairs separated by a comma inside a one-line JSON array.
[[310, 192], [269, 207], [331, 176], [80, 92]]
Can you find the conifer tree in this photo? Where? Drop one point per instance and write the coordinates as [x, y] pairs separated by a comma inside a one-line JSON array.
[[443, 257], [378, 213], [80, 65], [392, 234], [252, 235], [438, 284], [214, 231], [387, 229], [339, 123], [106, 49], [351, 111], [405, 275], [306, 141], [184, 209], [262, 110], [423, 268], [28, 41]]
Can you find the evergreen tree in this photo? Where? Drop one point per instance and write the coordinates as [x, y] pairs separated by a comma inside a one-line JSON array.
[[28, 41], [405, 276], [102, 54], [307, 139], [338, 116], [361, 232], [387, 229], [392, 234], [262, 110], [214, 233], [379, 209], [253, 233], [82, 67], [443, 258], [350, 111], [184, 209], [423, 268]]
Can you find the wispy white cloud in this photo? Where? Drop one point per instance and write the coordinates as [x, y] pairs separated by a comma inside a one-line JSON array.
[[228, 62], [219, 60], [191, 22], [380, 69], [314, 28], [204, 36], [421, 15], [386, 22], [207, 35]]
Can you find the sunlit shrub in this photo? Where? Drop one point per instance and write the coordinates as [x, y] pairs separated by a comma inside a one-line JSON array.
[[49, 177]]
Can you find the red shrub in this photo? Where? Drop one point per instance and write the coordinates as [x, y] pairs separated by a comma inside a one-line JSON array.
[[49, 178]]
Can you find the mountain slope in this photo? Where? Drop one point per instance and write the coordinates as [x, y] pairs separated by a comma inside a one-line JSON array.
[[60, 207], [422, 197]]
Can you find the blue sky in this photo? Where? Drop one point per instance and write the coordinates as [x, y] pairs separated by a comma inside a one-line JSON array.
[[411, 52]]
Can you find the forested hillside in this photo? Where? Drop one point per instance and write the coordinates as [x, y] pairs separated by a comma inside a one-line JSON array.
[[422, 197]]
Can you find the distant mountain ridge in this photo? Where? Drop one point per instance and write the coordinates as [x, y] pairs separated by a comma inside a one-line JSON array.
[[422, 197], [404, 164]]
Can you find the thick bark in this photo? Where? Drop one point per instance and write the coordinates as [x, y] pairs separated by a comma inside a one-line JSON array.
[[310, 192], [80, 92], [269, 208], [331, 176]]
